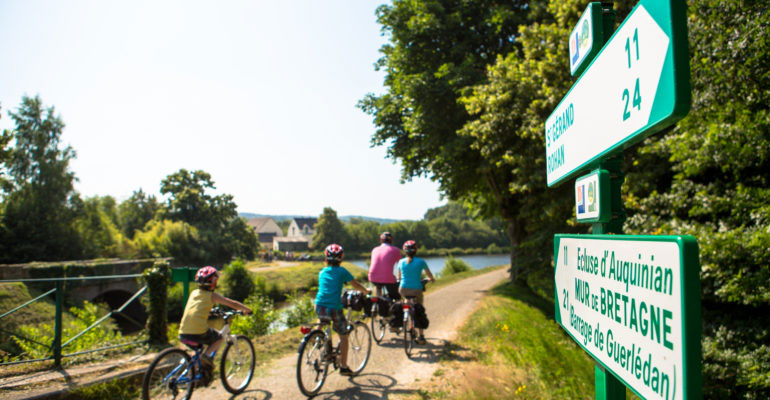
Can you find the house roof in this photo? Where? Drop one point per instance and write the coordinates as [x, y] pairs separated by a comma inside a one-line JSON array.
[[258, 223], [301, 222]]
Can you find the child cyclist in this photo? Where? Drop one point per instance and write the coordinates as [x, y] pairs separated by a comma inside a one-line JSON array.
[[328, 302], [194, 327], [410, 274]]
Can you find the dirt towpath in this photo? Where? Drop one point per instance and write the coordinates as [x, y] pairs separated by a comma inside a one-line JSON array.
[[388, 372]]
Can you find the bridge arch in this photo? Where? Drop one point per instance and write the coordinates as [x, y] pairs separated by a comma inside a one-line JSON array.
[[134, 316]]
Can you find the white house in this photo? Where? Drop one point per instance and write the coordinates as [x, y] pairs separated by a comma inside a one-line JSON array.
[[304, 227]]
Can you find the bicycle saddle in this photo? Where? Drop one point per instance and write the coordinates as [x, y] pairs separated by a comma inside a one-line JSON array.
[[191, 343]]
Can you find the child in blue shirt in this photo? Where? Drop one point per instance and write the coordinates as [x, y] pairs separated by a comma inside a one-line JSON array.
[[410, 274], [328, 302]]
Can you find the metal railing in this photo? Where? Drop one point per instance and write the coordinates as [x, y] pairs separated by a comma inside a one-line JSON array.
[[56, 347]]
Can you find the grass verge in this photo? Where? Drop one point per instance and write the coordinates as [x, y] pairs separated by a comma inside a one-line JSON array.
[[512, 348]]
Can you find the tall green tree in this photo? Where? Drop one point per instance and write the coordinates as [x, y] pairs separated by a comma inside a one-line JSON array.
[[710, 177], [97, 230], [5, 156], [329, 229], [222, 234], [136, 211], [37, 217], [438, 50]]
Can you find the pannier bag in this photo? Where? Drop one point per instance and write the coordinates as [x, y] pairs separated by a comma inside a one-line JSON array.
[[420, 317], [353, 299], [367, 305], [397, 315], [384, 307]]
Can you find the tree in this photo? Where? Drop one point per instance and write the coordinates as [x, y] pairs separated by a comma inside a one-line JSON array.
[[5, 156], [438, 51], [223, 235], [708, 177], [37, 213], [135, 212], [95, 223], [362, 235], [165, 238], [329, 230]]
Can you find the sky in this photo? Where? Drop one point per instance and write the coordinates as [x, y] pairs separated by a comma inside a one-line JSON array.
[[260, 94]]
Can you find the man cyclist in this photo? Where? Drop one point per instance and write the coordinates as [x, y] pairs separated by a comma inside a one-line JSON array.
[[410, 274], [384, 257]]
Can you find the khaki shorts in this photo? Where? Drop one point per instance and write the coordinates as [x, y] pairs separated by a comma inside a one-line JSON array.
[[411, 292]]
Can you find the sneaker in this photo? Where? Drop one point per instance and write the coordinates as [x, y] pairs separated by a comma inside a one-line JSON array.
[[207, 370], [346, 371], [421, 340]]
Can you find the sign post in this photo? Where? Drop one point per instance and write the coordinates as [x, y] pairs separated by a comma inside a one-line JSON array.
[[636, 86], [631, 302]]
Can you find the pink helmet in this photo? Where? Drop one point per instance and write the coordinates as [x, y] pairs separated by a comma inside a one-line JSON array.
[[333, 253], [410, 247], [207, 276]]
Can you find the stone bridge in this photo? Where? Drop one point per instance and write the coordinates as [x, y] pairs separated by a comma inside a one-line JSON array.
[[113, 291]]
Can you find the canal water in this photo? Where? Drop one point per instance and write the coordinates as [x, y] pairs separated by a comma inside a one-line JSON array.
[[436, 264]]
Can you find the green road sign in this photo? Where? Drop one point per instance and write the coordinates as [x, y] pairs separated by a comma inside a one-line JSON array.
[[637, 85], [592, 197], [633, 303], [587, 38]]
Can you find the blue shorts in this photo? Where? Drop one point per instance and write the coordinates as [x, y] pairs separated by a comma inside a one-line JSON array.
[[336, 316], [208, 337]]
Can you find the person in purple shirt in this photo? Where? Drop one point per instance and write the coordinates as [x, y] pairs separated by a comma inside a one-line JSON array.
[[384, 257]]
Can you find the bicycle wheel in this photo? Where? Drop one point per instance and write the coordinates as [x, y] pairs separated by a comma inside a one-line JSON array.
[[408, 332], [311, 365], [237, 367], [379, 324], [360, 347], [170, 376]]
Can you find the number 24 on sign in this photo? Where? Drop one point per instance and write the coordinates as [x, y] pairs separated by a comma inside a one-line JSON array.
[[637, 100]]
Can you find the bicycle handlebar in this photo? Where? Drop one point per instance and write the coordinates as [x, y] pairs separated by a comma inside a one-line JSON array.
[[217, 312]]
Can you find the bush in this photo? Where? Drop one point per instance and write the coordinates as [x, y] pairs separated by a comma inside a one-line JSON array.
[[493, 249], [454, 265], [176, 300], [300, 310], [102, 335], [258, 323], [237, 282]]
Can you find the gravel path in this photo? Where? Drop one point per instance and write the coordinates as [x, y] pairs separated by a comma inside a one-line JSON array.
[[388, 372]]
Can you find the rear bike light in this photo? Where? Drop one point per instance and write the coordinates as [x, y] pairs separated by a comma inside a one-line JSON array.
[[304, 329], [375, 299]]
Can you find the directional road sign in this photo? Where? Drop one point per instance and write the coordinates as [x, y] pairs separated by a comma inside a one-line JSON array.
[[637, 85], [633, 303]]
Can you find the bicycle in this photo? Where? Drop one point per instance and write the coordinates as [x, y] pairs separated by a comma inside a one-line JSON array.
[[316, 352], [175, 373], [379, 324]]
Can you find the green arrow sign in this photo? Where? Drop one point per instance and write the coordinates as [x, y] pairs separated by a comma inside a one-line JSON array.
[[637, 85], [633, 303]]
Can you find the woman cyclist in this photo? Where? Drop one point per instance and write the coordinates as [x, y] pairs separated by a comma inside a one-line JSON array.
[[410, 274]]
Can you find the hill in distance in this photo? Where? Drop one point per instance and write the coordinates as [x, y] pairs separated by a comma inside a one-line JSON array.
[[345, 218]]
